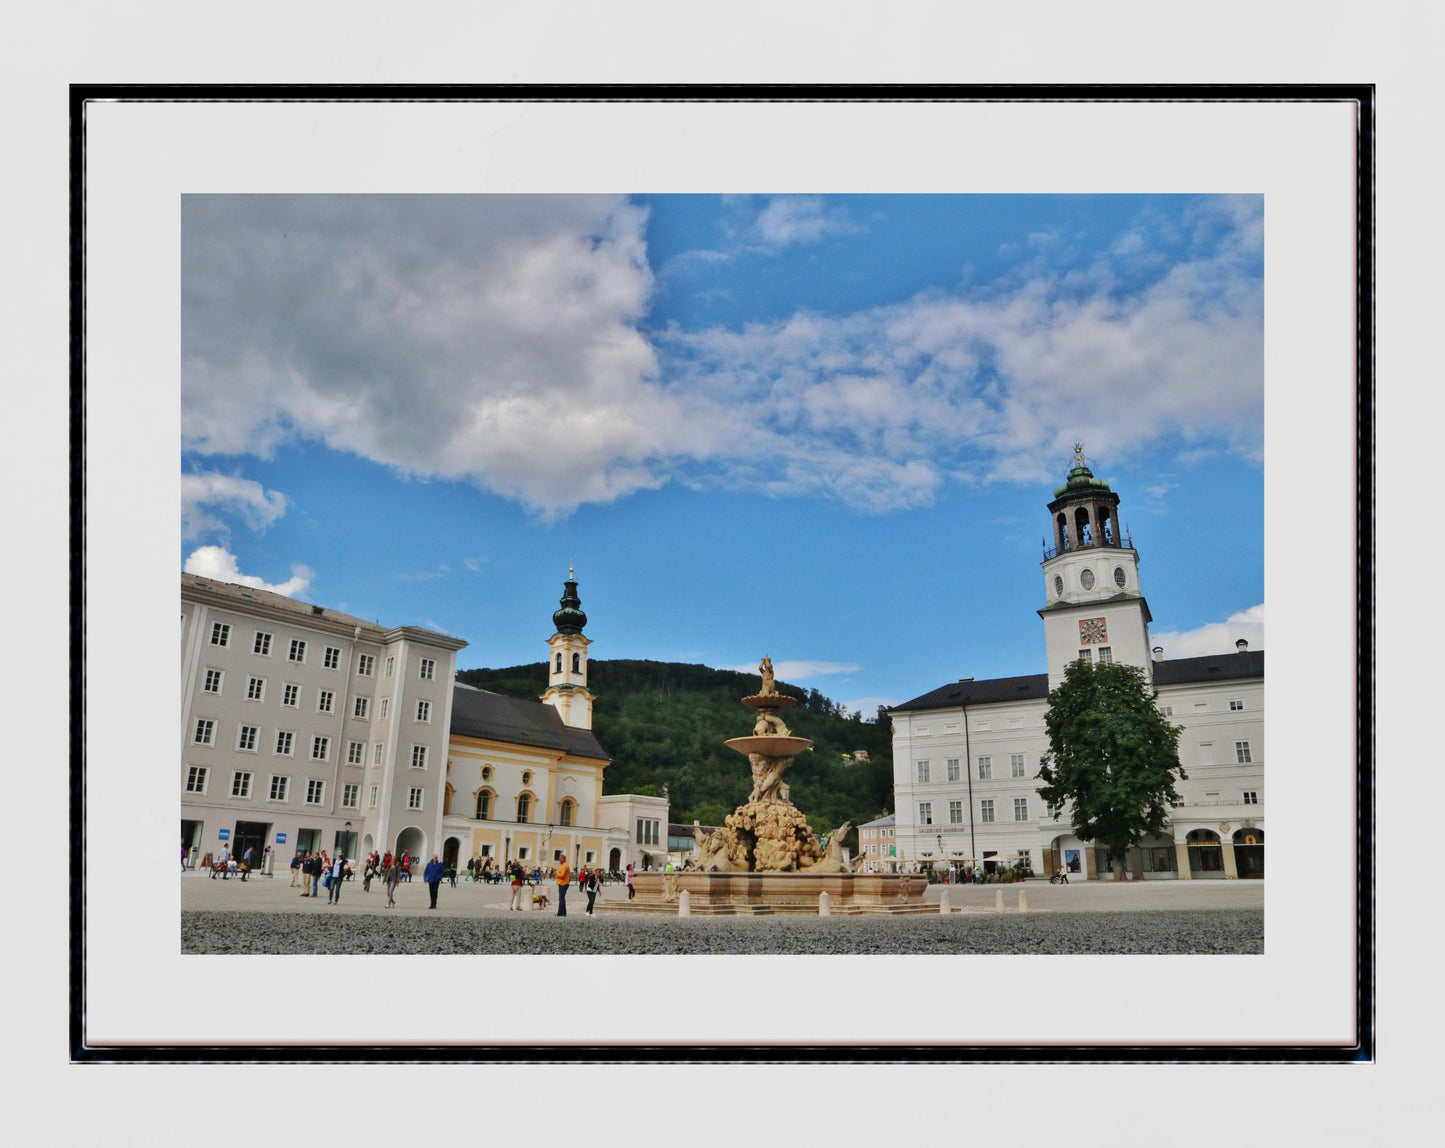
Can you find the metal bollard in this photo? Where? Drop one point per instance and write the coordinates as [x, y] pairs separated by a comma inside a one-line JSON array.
[[825, 904], [998, 900], [1023, 901], [684, 904], [945, 906]]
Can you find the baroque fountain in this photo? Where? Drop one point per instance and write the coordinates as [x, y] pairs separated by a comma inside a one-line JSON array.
[[765, 858]]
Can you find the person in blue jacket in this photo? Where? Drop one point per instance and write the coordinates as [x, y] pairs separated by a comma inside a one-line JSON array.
[[433, 875]]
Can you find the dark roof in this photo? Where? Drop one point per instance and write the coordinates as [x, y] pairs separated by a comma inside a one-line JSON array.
[[1211, 668], [1026, 688], [481, 713]]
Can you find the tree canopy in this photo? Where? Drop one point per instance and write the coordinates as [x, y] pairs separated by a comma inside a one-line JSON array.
[[1113, 757]]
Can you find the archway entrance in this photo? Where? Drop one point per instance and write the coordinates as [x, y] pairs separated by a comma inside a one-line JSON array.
[[1249, 852], [450, 851], [1206, 856], [411, 841], [614, 860]]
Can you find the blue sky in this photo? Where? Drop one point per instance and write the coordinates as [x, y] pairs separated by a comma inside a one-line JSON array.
[[822, 428]]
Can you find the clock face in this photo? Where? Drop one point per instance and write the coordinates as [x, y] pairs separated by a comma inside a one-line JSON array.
[[1092, 630]]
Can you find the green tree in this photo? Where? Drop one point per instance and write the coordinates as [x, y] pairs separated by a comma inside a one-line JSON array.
[[1113, 757]]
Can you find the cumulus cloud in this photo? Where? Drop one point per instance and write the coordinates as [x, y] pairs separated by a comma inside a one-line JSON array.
[[220, 564], [799, 670], [206, 496], [503, 340], [1215, 637]]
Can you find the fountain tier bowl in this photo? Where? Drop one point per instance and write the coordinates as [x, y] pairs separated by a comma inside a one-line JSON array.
[[769, 745]]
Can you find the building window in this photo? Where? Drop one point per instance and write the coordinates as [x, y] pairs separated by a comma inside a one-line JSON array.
[[320, 747], [298, 650], [952, 764], [355, 753], [390, 666], [1167, 711], [381, 710], [524, 809], [262, 644], [413, 797], [361, 708], [290, 695], [246, 741], [923, 771], [220, 634], [1251, 797], [332, 658], [1087, 657], [1021, 808], [240, 785], [1106, 655], [365, 663], [371, 797], [349, 795], [205, 732], [279, 786], [377, 753], [484, 806], [213, 682], [985, 810], [1025, 861], [427, 669], [326, 702], [955, 813], [423, 711], [196, 779], [925, 813], [1016, 764], [1241, 752], [564, 814], [418, 757], [985, 768], [576, 663], [523, 852], [256, 689], [315, 790], [1236, 704], [284, 741]]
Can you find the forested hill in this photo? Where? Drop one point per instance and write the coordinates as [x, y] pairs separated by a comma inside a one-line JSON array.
[[664, 723]]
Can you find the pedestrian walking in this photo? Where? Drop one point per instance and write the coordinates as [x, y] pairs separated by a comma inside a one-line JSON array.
[[318, 866], [246, 863], [368, 873], [337, 874], [591, 886], [433, 875], [631, 892], [223, 863], [564, 878], [183, 856], [391, 876], [516, 888]]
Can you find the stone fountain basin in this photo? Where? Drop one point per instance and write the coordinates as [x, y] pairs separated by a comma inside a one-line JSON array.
[[769, 745]]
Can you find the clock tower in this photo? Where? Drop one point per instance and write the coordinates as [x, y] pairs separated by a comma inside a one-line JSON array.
[[1094, 607]]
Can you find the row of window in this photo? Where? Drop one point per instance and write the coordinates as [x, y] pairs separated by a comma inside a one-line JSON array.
[[566, 811], [330, 658], [985, 811], [248, 736], [280, 789], [953, 768], [325, 699]]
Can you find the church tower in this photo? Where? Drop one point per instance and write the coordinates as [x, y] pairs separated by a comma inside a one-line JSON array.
[[1095, 608], [567, 661]]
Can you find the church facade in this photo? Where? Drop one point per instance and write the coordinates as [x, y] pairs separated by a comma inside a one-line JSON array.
[[966, 755]]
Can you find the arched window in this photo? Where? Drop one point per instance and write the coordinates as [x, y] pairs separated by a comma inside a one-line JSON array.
[[559, 663], [524, 808], [576, 663], [484, 805], [564, 814], [447, 799]]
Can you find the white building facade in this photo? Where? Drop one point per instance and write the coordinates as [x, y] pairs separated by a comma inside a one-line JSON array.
[[966, 755]]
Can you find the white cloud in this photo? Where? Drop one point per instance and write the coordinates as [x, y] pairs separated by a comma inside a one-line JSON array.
[[868, 706], [1214, 637], [500, 340], [226, 493], [798, 671], [220, 564]]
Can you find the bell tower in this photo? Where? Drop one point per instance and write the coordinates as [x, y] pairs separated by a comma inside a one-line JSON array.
[[1094, 607], [567, 660]]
